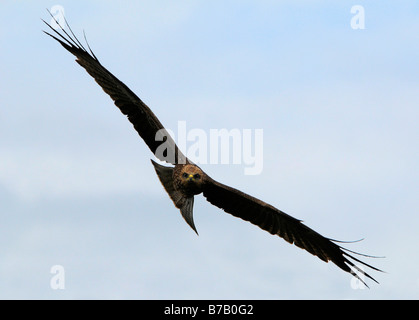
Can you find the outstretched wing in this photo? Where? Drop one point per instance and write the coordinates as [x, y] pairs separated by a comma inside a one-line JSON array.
[[276, 222], [145, 122]]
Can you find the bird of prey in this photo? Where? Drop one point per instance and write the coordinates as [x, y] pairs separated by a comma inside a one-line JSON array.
[[184, 179]]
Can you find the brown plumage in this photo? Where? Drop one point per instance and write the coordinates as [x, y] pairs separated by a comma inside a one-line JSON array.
[[185, 180]]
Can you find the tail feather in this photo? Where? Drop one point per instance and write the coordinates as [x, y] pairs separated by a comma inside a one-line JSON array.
[[185, 204]]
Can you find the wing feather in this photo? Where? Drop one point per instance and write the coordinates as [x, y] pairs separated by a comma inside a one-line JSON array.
[[277, 222], [139, 114]]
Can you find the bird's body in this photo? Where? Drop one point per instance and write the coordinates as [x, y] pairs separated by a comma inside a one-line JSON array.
[[185, 180]]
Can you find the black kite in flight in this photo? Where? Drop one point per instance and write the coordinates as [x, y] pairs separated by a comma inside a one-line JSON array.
[[185, 180]]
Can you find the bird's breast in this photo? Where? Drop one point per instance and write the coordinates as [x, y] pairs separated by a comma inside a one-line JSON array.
[[191, 188]]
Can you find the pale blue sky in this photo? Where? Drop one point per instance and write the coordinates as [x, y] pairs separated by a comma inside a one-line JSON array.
[[338, 108]]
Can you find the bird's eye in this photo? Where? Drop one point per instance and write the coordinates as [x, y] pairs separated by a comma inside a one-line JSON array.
[[185, 175], [197, 176]]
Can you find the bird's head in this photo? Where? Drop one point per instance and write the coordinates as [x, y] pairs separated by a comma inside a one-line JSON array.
[[191, 178]]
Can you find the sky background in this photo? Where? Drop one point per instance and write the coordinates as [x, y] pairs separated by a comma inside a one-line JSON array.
[[339, 113]]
